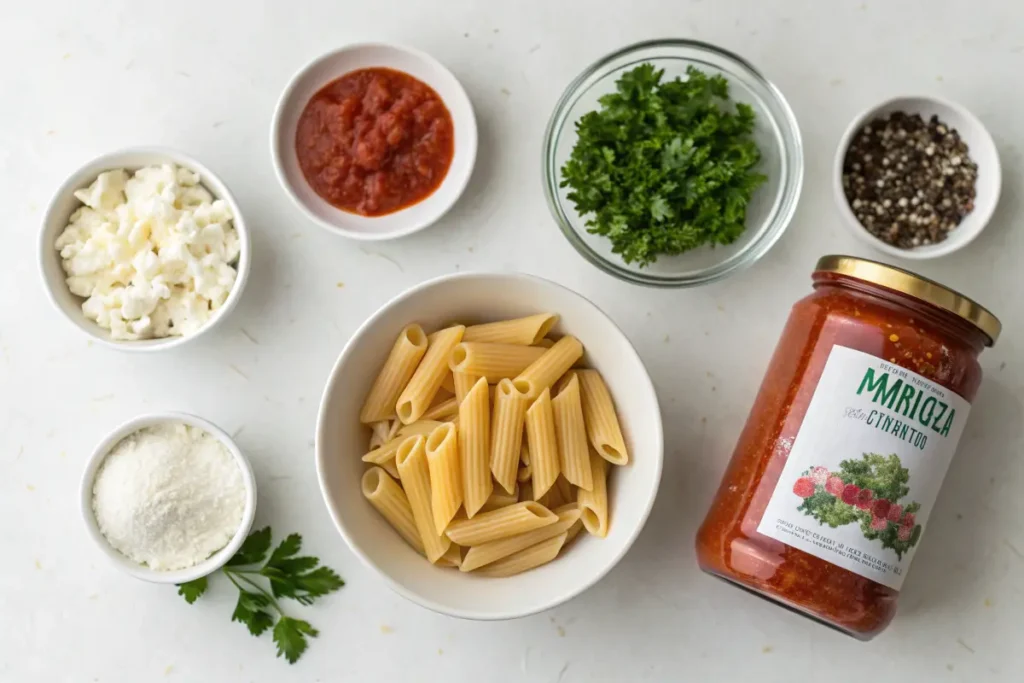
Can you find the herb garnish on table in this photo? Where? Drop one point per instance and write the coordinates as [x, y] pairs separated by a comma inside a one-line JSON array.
[[288, 576], [664, 167]]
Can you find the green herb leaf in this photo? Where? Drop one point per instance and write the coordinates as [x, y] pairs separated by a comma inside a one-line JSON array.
[[253, 550], [192, 590], [249, 611], [290, 636], [288, 547], [664, 167]]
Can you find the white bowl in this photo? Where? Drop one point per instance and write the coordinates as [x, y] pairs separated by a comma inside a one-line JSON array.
[[341, 440], [215, 561], [322, 70], [64, 203], [981, 148]]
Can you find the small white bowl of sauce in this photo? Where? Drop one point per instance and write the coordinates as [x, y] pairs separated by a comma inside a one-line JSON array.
[[374, 141]]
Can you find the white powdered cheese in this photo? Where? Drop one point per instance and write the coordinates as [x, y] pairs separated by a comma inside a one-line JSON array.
[[169, 496]]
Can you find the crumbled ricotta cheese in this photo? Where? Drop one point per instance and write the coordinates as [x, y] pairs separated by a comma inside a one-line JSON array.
[[151, 254]]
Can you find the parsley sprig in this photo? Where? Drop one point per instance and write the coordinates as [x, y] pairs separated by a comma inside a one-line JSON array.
[[664, 167], [288, 576]]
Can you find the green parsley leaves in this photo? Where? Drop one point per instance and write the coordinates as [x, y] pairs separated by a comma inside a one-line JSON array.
[[663, 168], [288, 576]]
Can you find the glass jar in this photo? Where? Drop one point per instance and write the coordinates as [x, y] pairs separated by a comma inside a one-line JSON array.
[[835, 473]]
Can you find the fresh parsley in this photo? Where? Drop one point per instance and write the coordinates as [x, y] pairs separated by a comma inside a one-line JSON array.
[[288, 576], [663, 168]]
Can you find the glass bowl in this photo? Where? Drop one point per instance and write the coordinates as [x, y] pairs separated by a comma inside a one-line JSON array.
[[776, 133]]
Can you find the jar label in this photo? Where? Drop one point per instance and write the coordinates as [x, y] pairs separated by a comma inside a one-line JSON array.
[[866, 466]]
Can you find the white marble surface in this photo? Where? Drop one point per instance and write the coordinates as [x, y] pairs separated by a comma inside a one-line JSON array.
[[79, 79]]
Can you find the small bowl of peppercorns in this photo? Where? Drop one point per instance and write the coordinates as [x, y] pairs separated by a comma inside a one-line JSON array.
[[917, 177]]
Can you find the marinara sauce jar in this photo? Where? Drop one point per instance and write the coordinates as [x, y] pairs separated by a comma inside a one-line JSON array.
[[834, 477]]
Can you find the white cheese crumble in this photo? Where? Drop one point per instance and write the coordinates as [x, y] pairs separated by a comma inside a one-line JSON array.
[[151, 254], [169, 496]]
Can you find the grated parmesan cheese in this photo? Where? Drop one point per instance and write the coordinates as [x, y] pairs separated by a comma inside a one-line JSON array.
[[169, 496]]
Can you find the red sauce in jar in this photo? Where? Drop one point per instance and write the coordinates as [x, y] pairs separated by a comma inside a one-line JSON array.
[[375, 141], [911, 331]]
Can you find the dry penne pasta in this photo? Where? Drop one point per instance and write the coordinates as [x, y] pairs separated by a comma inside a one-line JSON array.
[[507, 521], [479, 555], [500, 498], [391, 502], [464, 382], [451, 558], [418, 394], [493, 361], [540, 434], [490, 446], [571, 432], [411, 459], [475, 447], [400, 366], [545, 371], [594, 504], [525, 331], [445, 473], [443, 410], [524, 560], [599, 415], [507, 432]]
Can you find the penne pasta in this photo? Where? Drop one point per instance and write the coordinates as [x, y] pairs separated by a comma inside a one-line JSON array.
[[524, 560], [447, 384], [524, 453], [384, 456], [545, 343], [443, 410], [391, 502], [418, 394], [479, 555], [400, 366], [566, 491], [411, 459], [540, 435], [507, 432], [524, 331], [493, 361], [594, 504], [573, 531], [545, 371], [571, 433], [393, 430], [525, 491], [451, 558], [423, 427], [475, 447], [445, 474], [500, 523], [524, 474], [499, 498], [380, 433], [463, 383], [599, 415]]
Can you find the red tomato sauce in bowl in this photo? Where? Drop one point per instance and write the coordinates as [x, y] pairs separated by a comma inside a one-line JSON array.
[[375, 141]]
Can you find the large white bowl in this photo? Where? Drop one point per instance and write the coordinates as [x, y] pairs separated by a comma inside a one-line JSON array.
[[326, 68], [341, 440], [64, 203], [980, 147], [139, 571]]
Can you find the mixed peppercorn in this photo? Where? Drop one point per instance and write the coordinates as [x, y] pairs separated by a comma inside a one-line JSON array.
[[909, 181]]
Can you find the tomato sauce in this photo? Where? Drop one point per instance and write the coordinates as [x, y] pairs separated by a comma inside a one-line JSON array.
[[843, 310], [375, 141]]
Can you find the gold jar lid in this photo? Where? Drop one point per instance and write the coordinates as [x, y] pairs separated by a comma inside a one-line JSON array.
[[919, 287]]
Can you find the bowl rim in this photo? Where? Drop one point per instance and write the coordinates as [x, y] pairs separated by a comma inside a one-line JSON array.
[[106, 162], [126, 565], [753, 252], [957, 240], [644, 383], [413, 226]]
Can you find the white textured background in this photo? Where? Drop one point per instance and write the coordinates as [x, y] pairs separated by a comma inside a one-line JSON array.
[[79, 79]]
